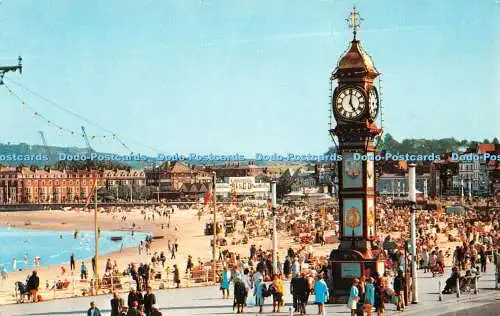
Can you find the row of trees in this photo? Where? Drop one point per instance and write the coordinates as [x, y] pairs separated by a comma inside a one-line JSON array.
[[424, 146]]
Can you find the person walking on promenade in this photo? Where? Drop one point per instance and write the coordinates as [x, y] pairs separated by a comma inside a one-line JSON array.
[[259, 293], [72, 262], [380, 286], [352, 302], [321, 294], [33, 284], [172, 250], [189, 264], [163, 259], [93, 310], [369, 297], [134, 296], [149, 301], [361, 294], [277, 292], [240, 295], [294, 290], [224, 282], [116, 304], [287, 268], [398, 290], [177, 278], [83, 271]]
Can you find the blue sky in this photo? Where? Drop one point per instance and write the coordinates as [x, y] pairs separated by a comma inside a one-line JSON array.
[[243, 76]]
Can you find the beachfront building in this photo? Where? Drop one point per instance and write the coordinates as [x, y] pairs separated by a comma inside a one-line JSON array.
[[236, 169], [174, 179], [133, 177], [241, 188], [441, 177], [394, 179], [307, 181], [474, 175], [31, 185]]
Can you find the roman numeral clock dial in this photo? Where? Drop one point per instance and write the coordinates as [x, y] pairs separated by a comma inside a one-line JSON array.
[[350, 103]]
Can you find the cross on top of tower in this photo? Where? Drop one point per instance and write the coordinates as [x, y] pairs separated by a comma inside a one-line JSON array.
[[354, 21]]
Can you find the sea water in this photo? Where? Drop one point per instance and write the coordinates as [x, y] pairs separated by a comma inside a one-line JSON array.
[[56, 247]]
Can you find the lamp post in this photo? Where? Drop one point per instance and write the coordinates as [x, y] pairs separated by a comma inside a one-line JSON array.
[[214, 244], [275, 233], [413, 199], [96, 235]]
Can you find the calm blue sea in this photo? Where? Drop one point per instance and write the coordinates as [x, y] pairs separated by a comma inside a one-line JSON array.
[[54, 250]]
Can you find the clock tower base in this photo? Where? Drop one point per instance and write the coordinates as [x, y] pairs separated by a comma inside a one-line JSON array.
[[348, 264]]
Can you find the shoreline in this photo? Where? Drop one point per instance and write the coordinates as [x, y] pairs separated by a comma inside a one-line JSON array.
[[107, 253], [67, 221]]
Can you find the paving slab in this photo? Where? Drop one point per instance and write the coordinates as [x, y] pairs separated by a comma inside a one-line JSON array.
[[208, 301]]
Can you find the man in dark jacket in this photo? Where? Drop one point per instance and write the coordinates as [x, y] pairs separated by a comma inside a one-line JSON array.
[[149, 301], [33, 284], [146, 271], [287, 268], [116, 304], [93, 310], [240, 295], [134, 296], [399, 285], [301, 289], [294, 286], [72, 262]]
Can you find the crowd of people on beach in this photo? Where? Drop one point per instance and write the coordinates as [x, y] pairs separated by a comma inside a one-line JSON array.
[[469, 238]]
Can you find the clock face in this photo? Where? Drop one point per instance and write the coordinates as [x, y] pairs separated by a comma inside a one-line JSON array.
[[350, 103], [374, 103]]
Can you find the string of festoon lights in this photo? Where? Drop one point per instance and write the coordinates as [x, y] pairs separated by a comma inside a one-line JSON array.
[[61, 130]]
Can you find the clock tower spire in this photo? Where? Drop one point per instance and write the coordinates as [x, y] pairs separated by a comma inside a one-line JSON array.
[[354, 21], [355, 105]]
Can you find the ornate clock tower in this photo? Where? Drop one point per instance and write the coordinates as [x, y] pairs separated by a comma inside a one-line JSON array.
[[355, 105]]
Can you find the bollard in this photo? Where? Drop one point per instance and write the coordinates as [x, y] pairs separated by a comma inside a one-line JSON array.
[[475, 285], [290, 311], [496, 281], [440, 298], [458, 287]]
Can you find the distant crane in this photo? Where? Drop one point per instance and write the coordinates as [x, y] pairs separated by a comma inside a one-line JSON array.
[[44, 142], [85, 137]]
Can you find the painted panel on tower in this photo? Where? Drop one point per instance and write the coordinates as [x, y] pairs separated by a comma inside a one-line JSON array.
[[370, 217], [353, 217], [350, 270], [370, 172], [352, 173]]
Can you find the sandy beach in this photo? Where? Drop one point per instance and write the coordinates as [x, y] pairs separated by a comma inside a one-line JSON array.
[[185, 227]]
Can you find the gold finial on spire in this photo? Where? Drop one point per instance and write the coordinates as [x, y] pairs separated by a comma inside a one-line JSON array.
[[354, 21]]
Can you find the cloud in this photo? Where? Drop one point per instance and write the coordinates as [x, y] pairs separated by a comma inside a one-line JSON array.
[[332, 34], [286, 37]]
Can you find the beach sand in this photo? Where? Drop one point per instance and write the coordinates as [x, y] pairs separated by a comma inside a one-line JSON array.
[[189, 233]]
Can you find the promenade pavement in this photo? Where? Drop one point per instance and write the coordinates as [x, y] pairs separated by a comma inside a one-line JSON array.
[[208, 301]]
